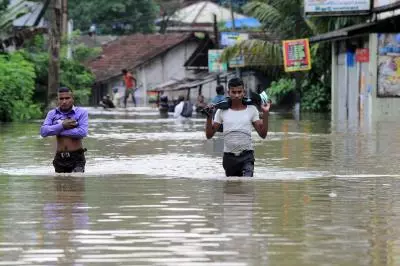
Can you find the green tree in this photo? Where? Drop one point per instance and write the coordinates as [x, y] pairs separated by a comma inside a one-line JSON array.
[[114, 17], [73, 73], [17, 85]]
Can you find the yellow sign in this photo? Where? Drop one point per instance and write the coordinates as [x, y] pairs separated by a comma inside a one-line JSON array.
[[296, 55]]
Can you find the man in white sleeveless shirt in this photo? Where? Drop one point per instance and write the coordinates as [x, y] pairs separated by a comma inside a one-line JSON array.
[[238, 121]]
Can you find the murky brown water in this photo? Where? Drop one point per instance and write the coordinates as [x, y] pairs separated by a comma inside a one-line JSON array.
[[155, 194]]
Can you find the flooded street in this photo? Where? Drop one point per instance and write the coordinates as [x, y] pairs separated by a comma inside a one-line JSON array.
[[155, 193]]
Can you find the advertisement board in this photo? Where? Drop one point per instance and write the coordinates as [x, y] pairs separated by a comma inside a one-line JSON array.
[[362, 55], [388, 65], [230, 38], [322, 7], [296, 55], [214, 62], [238, 61]]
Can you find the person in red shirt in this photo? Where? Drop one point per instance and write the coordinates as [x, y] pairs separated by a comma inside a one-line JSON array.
[[130, 86]]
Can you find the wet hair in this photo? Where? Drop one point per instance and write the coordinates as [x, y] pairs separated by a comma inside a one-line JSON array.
[[220, 90], [124, 71], [235, 82], [64, 89]]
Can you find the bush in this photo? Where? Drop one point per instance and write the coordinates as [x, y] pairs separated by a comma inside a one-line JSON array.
[[280, 89], [316, 98], [78, 78], [17, 85], [72, 75]]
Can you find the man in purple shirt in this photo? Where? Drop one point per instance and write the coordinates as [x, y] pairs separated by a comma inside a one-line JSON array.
[[70, 125]]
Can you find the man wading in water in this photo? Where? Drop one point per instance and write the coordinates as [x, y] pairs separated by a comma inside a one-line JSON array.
[[238, 121], [70, 125]]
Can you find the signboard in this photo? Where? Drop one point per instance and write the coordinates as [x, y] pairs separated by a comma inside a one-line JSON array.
[[231, 38], [380, 3], [214, 61], [296, 55], [362, 55], [321, 7], [237, 61], [388, 65]]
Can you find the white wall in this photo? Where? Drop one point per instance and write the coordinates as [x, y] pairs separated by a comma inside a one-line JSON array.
[[362, 94], [159, 70], [349, 86], [168, 66]]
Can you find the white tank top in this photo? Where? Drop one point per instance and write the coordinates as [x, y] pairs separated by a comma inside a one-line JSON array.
[[237, 128]]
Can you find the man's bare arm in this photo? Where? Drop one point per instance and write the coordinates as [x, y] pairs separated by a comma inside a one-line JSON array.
[[261, 126], [211, 127]]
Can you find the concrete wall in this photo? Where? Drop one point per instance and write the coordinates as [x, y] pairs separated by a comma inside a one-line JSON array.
[[350, 95], [354, 89], [168, 66]]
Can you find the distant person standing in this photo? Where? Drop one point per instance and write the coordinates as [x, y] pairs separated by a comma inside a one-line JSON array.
[[200, 104], [130, 86], [183, 109], [220, 94], [70, 125], [116, 97]]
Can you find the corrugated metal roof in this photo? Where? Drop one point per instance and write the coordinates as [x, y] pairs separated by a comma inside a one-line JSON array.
[[29, 18], [202, 13]]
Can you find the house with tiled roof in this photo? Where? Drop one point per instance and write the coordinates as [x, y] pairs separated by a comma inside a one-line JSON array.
[[154, 60]]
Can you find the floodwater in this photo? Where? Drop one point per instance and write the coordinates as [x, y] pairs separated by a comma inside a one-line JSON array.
[[154, 193]]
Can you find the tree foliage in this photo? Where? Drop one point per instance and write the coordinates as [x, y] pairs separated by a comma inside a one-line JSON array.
[[17, 85], [73, 73], [114, 17]]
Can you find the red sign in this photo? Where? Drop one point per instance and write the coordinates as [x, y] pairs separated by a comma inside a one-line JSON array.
[[362, 55], [296, 55]]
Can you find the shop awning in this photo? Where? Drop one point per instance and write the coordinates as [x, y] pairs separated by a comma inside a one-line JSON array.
[[188, 83], [386, 25], [206, 79]]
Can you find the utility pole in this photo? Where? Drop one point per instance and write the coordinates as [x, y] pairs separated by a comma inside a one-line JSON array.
[[232, 15], [54, 51], [216, 39], [64, 9], [234, 29]]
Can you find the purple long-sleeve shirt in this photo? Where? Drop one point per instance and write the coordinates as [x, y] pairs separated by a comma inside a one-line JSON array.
[[52, 125]]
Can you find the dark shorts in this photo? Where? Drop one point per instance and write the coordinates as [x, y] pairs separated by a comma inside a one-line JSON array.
[[70, 162], [239, 165]]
